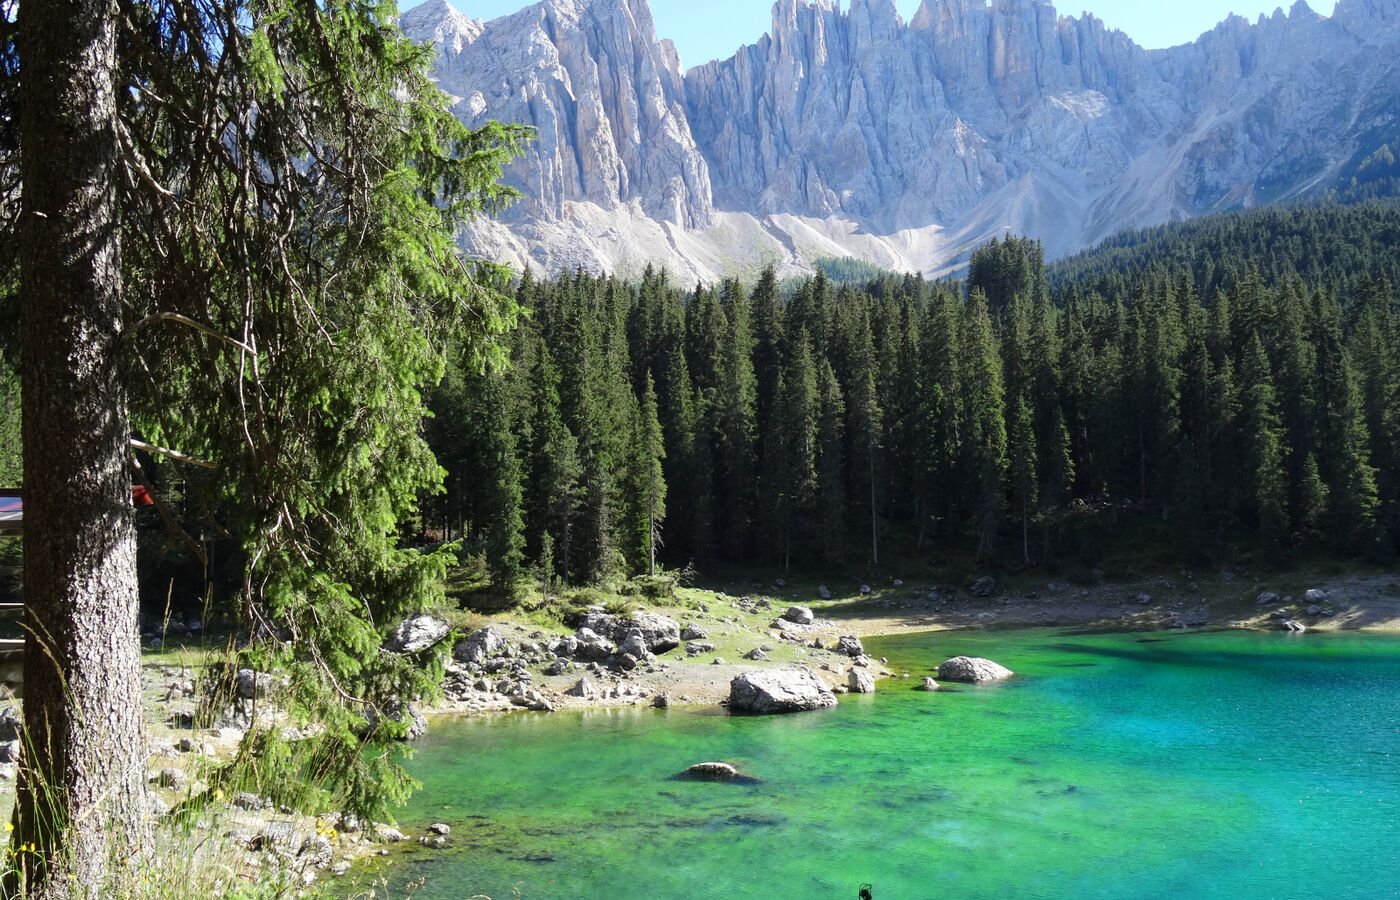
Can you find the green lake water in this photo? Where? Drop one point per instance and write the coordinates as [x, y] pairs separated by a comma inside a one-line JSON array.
[[1227, 764]]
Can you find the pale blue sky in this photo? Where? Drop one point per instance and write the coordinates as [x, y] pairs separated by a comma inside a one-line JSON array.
[[713, 29]]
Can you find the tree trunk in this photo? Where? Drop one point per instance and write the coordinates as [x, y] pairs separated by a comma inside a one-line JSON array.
[[81, 798]]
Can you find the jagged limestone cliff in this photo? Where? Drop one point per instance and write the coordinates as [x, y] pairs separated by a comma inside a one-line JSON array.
[[906, 144]]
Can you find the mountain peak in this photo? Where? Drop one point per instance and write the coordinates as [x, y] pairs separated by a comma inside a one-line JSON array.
[[438, 22]]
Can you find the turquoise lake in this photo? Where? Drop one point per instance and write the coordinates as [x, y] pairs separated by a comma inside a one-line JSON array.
[[1224, 764]]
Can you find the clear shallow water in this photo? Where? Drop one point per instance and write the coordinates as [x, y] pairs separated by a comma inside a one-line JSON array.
[[1225, 764]]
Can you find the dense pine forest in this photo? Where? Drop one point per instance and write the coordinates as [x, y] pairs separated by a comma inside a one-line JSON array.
[[1213, 390], [1228, 387]]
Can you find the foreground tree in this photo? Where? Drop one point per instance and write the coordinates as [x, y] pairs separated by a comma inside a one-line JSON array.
[[81, 795], [237, 241]]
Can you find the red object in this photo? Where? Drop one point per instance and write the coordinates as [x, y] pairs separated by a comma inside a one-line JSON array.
[[141, 497]]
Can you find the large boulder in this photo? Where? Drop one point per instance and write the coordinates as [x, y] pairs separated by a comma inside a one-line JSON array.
[[802, 615], [1315, 595], [778, 691], [417, 633], [479, 646], [661, 633], [972, 669]]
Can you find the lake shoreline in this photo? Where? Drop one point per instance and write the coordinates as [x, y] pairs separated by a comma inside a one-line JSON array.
[[741, 621]]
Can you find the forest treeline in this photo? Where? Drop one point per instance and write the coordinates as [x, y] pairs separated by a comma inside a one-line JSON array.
[[990, 416]]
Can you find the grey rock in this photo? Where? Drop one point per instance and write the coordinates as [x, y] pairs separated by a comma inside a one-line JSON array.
[[756, 654], [440, 828], [661, 633], [691, 633], [633, 644], [972, 669], [1293, 625], [824, 592], [802, 615], [1314, 610], [10, 724], [1143, 599], [709, 771], [252, 685], [11, 751], [695, 648], [864, 589], [929, 684], [479, 646], [417, 633], [558, 667], [404, 713], [1315, 595], [860, 681], [983, 587], [1267, 598], [661, 701], [391, 835], [778, 691], [849, 645], [583, 688]]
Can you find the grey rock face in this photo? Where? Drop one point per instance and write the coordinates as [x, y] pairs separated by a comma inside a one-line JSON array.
[[972, 669], [604, 94], [778, 691], [416, 633], [968, 120]]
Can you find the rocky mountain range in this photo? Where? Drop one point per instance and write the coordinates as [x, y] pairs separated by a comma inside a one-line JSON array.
[[855, 133]]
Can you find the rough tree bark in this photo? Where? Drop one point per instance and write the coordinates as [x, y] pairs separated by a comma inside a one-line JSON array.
[[81, 796]]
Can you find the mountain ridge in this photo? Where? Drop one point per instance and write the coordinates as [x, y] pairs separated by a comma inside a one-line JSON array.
[[904, 144]]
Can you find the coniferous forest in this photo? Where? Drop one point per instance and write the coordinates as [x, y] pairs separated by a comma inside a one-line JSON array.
[[1239, 395]]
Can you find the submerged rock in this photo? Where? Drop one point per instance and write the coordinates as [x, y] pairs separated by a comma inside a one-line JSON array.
[[779, 691], [714, 771], [929, 685], [972, 669], [1293, 625]]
